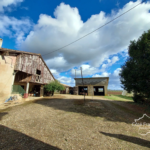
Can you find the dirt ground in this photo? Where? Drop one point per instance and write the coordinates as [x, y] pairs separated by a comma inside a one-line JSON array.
[[64, 122]]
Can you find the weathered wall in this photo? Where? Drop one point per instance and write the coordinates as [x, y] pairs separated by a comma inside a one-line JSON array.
[[67, 90], [90, 90], [75, 90], [29, 64], [6, 76]]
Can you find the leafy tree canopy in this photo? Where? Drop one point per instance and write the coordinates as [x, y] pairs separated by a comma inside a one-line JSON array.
[[53, 86], [135, 73]]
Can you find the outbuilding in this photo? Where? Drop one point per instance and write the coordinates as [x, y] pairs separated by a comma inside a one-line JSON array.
[[91, 86]]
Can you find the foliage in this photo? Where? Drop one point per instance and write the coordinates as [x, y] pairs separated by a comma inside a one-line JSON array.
[[53, 86], [135, 73], [138, 98]]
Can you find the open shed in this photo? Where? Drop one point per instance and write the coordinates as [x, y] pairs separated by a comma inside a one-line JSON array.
[[92, 86]]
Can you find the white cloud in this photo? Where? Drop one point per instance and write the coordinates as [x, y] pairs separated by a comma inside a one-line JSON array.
[[104, 74], [110, 62], [7, 3], [57, 63], [114, 80], [11, 26], [18, 27], [50, 34], [116, 72], [66, 80], [86, 70], [54, 72]]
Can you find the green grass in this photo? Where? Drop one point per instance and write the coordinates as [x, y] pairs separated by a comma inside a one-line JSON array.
[[120, 97], [125, 97]]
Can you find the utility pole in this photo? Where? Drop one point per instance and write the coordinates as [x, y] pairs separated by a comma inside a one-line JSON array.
[[75, 73], [82, 83]]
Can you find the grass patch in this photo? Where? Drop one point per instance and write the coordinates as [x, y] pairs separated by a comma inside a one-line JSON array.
[[119, 98], [125, 97]]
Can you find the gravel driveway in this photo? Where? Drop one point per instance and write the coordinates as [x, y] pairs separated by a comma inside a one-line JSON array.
[[63, 122]]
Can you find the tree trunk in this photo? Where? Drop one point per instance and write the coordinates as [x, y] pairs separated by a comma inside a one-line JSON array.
[[52, 93]]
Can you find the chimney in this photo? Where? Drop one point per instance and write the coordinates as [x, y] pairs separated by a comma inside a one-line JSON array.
[[1, 42]]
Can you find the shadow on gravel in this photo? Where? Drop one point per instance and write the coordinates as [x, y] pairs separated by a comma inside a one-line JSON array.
[[106, 109], [14, 140], [130, 139], [2, 114]]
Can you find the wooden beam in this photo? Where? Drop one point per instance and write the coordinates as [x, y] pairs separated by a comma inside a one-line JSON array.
[[5, 53]]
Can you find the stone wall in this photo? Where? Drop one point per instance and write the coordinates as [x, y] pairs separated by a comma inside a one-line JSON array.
[[75, 90], [90, 90]]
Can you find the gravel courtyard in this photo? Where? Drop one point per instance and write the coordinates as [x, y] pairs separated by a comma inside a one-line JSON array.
[[63, 122]]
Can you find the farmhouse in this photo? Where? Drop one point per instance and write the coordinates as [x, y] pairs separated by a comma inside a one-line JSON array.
[[22, 72], [91, 86]]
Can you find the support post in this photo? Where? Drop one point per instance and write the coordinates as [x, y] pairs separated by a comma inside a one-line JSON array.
[[27, 90], [13, 80], [41, 91], [105, 90]]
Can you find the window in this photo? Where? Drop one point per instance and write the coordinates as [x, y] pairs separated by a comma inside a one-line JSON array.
[[38, 77], [38, 72], [100, 89]]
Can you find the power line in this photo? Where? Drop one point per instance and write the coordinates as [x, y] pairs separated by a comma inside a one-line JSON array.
[[95, 29]]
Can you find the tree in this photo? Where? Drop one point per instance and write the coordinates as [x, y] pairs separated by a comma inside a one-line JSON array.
[[135, 73], [53, 86]]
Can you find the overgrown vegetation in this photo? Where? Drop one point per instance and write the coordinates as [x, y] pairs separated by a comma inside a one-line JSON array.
[[135, 73], [53, 86]]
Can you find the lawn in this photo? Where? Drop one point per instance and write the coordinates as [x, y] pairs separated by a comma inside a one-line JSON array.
[[119, 97]]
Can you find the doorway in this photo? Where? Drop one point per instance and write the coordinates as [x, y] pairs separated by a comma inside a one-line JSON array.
[[83, 90]]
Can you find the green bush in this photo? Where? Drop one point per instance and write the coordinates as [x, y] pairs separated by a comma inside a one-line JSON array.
[[53, 86]]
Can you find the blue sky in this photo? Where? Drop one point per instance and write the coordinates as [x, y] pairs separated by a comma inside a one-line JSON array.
[[42, 26]]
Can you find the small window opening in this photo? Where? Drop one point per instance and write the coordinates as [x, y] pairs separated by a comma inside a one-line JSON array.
[[38, 72]]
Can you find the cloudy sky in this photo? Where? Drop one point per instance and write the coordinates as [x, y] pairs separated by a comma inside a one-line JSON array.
[[44, 26]]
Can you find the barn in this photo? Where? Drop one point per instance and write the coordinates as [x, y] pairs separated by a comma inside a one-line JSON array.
[[22, 72], [91, 86]]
